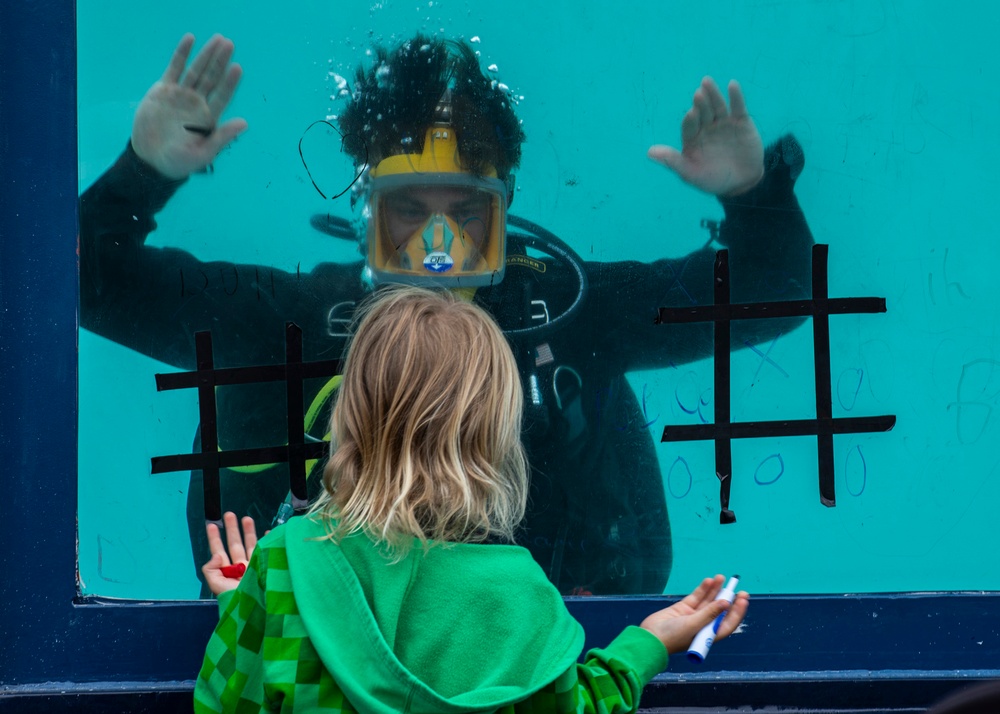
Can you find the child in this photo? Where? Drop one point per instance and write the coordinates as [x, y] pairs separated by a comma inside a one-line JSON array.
[[387, 597]]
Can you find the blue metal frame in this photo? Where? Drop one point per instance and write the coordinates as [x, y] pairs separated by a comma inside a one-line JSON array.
[[891, 651]]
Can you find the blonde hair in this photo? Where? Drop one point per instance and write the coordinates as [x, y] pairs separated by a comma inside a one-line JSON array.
[[426, 429]]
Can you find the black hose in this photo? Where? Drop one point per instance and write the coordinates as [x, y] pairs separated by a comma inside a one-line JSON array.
[[548, 242]]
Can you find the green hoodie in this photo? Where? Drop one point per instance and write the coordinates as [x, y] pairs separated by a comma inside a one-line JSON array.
[[320, 626]]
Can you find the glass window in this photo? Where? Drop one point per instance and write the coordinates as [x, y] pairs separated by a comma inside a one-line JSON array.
[[832, 432]]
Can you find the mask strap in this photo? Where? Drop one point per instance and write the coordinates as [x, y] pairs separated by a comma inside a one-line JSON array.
[[511, 183], [442, 111]]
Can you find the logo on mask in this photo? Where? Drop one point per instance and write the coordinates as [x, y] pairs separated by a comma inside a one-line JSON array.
[[438, 262]]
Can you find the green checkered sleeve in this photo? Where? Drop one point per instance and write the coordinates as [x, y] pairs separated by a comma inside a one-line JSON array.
[[231, 677], [608, 682], [260, 658]]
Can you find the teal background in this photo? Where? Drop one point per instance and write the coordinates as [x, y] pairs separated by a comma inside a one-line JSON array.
[[894, 107]]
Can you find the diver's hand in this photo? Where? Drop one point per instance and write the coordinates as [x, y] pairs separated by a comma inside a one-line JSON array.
[[721, 149], [176, 128], [677, 625], [241, 547]]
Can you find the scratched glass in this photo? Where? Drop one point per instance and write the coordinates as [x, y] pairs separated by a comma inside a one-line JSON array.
[[818, 422]]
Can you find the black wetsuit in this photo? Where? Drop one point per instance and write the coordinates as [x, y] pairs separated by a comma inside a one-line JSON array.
[[597, 517]]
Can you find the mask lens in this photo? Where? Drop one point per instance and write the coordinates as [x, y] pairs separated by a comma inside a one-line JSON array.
[[407, 211], [438, 229]]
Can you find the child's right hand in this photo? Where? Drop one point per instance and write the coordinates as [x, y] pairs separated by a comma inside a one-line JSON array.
[[677, 625], [241, 547]]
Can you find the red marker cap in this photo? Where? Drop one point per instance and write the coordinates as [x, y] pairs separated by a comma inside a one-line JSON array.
[[234, 572]]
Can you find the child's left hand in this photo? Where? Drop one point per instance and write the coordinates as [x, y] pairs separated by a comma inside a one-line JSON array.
[[677, 625], [241, 547]]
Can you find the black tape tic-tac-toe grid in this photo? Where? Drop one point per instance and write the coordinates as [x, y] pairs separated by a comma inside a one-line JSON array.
[[210, 460], [824, 426]]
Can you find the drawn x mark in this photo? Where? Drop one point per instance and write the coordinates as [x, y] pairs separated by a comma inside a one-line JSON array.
[[764, 356]]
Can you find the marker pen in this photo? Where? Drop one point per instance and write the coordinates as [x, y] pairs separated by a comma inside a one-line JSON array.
[[701, 643]]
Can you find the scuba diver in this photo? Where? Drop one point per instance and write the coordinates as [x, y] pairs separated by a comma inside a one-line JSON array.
[[436, 143]]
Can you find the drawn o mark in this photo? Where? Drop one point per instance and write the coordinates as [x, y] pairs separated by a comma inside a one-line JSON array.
[[863, 470], [670, 478], [704, 399], [848, 387], [645, 412], [781, 470]]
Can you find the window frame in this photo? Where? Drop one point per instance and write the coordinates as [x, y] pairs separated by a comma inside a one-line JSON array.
[[899, 650]]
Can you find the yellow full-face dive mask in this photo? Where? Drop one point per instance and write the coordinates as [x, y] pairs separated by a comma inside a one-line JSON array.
[[433, 224]]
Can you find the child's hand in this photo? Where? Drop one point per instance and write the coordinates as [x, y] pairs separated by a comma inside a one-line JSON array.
[[678, 624], [240, 549]]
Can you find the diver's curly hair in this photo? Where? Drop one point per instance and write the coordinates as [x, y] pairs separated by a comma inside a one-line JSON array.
[[393, 102]]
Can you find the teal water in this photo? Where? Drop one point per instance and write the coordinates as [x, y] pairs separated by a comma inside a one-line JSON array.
[[893, 108]]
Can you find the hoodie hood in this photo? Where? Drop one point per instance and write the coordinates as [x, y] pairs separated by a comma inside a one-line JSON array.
[[456, 628]]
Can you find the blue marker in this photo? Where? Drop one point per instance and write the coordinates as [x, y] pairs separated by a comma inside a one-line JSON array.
[[702, 642]]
